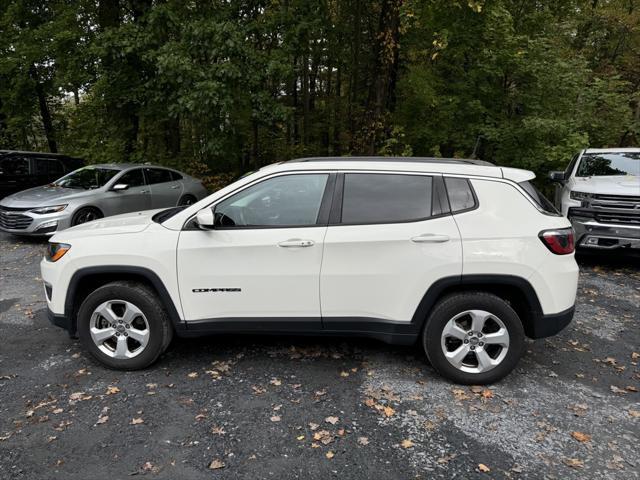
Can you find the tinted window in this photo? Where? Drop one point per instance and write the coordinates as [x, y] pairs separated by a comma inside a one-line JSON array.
[[56, 168], [460, 194], [175, 176], [157, 175], [538, 197], [14, 166], [385, 198], [133, 178], [609, 164], [42, 166], [291, 200]]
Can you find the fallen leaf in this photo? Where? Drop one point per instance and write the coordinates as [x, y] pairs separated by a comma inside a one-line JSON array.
[[330, 455], [635, 356], [486, 393], [574, 463], [483, 468], [102, 420], [323, 436], [581, 437], [363, 441], [217, 430], [619, 390], [193, 375], [111, 390], [446, 459], [631, 388], [406, 443], [344, 374], [56, 411], [275, 381], [300, 437], [634, 413], [216, 464], [313, 426], [388, 411], [275, 418], [257, 390], [147, 466], [331, 420], [136, 421]]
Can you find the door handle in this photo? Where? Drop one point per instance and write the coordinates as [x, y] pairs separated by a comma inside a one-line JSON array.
[[296, 242], [430, 238], [175, 186], [144, 191]]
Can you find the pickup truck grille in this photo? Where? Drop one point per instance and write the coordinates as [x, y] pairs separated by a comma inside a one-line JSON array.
[[624, 218], [12, 219], [617, 202]]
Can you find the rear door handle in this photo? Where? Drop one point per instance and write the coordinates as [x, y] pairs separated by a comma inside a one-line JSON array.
[[295, 242], [430, 238]]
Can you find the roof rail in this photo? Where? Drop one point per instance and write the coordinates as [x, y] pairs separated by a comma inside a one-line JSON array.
[[459, 161]]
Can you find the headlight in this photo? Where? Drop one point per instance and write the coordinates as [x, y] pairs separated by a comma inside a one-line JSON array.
[[579, 195], [56, 251], [51, 209]]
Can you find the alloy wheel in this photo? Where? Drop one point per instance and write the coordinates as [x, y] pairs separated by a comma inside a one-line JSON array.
[[119, 329]]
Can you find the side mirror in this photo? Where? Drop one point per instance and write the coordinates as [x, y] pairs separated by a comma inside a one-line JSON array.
[[120, 187], [205, 219], [557, 177]]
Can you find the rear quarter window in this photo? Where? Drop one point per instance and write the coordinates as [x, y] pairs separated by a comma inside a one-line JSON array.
[[538, 198], [461, 196]]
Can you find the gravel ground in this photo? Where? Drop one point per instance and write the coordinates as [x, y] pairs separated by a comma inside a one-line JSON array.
[[248, 407]]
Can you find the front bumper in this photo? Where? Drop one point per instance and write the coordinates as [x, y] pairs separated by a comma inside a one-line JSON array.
[[62, 321], [24, 222], [591, 233]]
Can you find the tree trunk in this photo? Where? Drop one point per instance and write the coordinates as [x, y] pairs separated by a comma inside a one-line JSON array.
[[45, 114]]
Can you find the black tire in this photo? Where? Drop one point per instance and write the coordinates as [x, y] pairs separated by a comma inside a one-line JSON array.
[[187, 200], [84, 215], [452, 305], [146, 300]]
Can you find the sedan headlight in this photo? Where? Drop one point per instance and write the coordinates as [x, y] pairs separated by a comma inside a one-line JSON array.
[[56, 251], [574, 195], [51, 209]]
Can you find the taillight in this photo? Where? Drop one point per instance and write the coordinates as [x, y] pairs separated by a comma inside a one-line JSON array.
[[560, 241]]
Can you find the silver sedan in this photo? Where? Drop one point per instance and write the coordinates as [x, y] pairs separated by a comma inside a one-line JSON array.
[[93, 192]]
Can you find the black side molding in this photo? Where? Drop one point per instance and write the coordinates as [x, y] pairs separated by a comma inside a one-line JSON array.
[[548, 325]]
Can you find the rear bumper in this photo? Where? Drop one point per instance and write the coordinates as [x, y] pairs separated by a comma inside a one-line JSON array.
[[548, 325], [590, 233]]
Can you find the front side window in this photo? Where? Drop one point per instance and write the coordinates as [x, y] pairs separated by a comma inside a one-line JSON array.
[[609, 164], [157, 175], [87, 178], [290, 200], [133, 178], [385, 198]]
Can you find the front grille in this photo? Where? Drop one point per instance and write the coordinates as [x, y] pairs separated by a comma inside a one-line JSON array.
[[625, 218], [616, 198], [11, 219]]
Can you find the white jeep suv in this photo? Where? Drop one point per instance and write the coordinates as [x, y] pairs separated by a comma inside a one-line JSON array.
[[462, 256]]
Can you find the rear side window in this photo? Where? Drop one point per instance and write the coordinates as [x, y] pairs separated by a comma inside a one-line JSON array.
[[538, 198], [460, 194], [14, 166], [385, 198], [175, 175], [157, 175]]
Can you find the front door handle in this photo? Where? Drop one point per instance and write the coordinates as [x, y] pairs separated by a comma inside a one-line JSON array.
[[295, 242], [175, 186], [430, 238], [144, 191]]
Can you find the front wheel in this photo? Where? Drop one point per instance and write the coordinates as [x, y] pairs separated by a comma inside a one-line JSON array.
[[123, 325], [84, 215], [473, 338]]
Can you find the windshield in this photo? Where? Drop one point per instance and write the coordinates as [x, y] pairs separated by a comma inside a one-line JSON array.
[[87, 178], [609, 164]]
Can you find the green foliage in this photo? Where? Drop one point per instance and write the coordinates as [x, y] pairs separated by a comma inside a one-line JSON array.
[[221, 87]]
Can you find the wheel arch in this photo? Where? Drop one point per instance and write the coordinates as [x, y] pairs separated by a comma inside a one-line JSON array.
[[516, 291], [86, 280]]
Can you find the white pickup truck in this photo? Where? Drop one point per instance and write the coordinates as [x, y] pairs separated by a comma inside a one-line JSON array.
[[600, 194]]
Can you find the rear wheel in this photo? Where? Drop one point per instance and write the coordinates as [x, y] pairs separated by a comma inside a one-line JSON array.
[[84, 215], [473, 338], [123, 325]]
